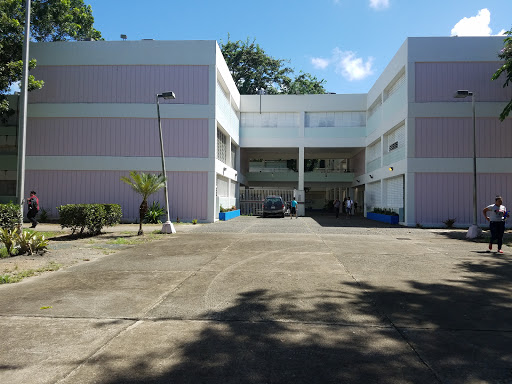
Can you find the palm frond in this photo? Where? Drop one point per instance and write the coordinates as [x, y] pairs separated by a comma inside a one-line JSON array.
[[144, 184]]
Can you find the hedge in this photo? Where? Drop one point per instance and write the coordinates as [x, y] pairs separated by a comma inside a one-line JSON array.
[[10, 215], [92, 217]]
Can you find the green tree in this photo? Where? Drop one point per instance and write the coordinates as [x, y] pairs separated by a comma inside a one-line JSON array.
[[145, 184], [306, 83], [506, 55], [252, 69], [51, 20]]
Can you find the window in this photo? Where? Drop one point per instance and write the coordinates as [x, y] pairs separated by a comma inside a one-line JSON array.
[[221, 146], [375, 106], [335, 119], [233, 156], [373, 151], [395, 138], [395, 84], [269, 120], [7, 187]]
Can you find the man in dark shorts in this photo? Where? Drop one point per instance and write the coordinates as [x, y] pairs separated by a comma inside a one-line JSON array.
[[293, 210], [496, 215]]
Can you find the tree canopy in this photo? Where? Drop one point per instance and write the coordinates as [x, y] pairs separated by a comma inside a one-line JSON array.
[[506, 55], [51, 20], [252, 69]]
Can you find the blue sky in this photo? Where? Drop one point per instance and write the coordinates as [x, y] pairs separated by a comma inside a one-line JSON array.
[[346, 42]]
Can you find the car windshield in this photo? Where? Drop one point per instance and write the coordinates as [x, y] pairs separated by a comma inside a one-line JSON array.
[[273, 200]]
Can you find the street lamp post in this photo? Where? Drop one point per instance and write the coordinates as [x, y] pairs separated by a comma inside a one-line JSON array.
[[22, 133], [473, 231], [167, 227]]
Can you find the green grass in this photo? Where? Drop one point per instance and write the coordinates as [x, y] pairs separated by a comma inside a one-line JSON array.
[[135, 240], [126, 241], [16, 277], [46, 234]]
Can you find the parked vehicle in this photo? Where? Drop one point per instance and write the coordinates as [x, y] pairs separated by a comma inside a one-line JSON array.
[[274, 206]]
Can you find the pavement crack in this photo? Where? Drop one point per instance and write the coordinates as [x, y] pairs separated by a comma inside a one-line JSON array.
[[99, 350]]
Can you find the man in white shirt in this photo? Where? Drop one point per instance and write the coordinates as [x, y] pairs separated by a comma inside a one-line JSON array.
[[350, 204], [496, 214]]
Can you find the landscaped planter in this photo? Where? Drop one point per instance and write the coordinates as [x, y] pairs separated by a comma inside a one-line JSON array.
[[382, 218], [229, 215]]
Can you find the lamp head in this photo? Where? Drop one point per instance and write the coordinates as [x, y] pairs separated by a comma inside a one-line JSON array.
[[461, 94], [167, 95]]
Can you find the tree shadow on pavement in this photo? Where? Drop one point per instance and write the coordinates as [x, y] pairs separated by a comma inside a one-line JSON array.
[[243, 345], [453, 331]]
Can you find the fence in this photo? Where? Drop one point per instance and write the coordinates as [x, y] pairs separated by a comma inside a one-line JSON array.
[[251, 200]]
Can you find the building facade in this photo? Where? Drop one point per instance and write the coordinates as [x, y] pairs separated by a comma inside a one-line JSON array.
[[406, 145]]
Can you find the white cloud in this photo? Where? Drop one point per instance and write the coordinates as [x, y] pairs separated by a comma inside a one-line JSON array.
[[347, 64], [474, 26], [352, 67], [379, 4], [319, 62]]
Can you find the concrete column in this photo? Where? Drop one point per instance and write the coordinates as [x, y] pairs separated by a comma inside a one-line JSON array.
[[300, 166]]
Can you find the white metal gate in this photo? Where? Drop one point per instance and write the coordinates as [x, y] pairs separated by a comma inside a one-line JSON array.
[[251, 200]]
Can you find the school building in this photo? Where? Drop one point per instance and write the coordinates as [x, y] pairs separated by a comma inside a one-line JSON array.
[[406, 145]]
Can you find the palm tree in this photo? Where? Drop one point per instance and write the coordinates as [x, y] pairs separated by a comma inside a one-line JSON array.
[[144, 184]]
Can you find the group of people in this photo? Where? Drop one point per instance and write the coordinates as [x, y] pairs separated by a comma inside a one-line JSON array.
[[348, 206]]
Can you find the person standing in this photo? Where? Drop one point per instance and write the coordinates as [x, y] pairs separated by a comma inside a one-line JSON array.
[[496, 215], [33, 208], [294, 208], [350, 203], [337, 207]]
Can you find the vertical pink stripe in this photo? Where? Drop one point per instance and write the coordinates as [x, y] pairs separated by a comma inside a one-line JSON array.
[[121, 84], [440, 196], [116, 137], [438, 81], [453, 137], [188, 191]]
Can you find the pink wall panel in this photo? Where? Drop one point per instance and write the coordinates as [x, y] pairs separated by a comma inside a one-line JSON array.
[[439, 81], [116, 137], [121, 84], [440, 196], [188, 191], [453, 137]]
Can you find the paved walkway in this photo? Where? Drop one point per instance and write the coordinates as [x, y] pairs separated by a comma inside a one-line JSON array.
[[257, 300]]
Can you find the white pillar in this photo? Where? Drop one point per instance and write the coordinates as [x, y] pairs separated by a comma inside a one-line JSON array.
[[301, 198], [300, 167]]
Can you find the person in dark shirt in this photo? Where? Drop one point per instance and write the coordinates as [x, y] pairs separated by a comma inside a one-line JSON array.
[[33, 208]]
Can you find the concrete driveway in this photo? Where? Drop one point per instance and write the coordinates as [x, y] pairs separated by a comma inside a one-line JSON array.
[[257, 300]]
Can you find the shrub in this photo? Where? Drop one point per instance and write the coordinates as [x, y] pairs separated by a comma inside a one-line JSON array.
[[19, 243], [43, 216], [194, 221], [91, 216], [385, 211], [222, 209], [10, 215], [113, 214], [155, 211], [449, 223]]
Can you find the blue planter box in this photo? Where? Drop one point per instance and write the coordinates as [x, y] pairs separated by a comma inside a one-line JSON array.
[[229, 215], [382, 218]]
